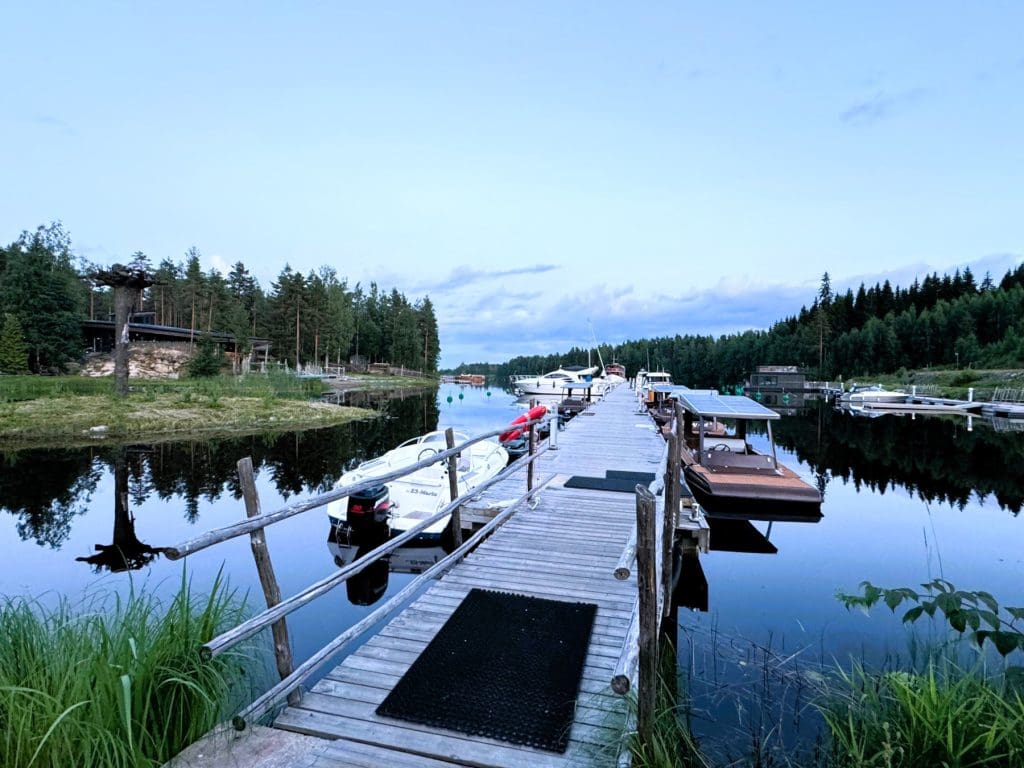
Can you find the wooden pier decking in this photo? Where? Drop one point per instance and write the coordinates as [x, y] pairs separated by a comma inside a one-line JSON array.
[[564, 547]]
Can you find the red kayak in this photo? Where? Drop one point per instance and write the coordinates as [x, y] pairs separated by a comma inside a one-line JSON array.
[[531, 415]]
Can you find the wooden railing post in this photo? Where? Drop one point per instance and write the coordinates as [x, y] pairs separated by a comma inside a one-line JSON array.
[[453, 488], [647, 584], [672, 494], [265, 569]]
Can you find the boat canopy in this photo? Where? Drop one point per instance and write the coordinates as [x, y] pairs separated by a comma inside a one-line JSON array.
[[724, 406]]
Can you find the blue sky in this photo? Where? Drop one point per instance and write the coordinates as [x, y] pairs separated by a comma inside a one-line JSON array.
[[659, 168]]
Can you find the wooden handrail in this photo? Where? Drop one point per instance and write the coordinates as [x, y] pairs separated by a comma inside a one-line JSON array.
[[254, 624], [271, 698], [265, 569], [624, 567], [625, 669], [453, 487], [624, 676], [243, 527]]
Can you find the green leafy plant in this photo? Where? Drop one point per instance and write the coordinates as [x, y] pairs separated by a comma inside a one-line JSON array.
[[978, 614]]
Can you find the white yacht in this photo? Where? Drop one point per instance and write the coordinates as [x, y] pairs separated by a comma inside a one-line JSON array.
[[553, 383], [859, 394], [400, 504]]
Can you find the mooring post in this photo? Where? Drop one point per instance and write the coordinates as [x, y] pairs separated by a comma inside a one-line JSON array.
[[453, 488], [647, 584], [532, 443], [265, 569]]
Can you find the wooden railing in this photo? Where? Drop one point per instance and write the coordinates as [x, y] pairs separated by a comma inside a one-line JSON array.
[[278, 608], [649, 551]]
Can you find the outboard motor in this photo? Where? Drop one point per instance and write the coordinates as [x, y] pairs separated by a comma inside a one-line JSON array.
[[368, 510], [516, 448]]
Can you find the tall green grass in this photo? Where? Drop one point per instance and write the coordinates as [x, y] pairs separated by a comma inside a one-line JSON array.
[[943, 715], [15, 389], [672, 743], [118, 681], [271, 386], [955, 700]]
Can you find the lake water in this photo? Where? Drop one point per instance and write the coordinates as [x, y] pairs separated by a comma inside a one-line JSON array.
[[905, 500]]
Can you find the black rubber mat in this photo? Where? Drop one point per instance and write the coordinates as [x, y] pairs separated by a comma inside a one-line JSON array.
[[503, 666], [618, 484], [611, 483], [645, 478]]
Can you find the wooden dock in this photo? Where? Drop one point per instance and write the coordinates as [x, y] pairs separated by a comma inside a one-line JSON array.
[[564, 547]]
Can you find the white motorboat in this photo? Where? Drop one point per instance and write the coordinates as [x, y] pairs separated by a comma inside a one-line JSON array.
[[554, 382], [859, 394], [402, 503]]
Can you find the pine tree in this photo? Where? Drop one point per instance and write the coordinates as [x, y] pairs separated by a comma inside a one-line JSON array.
[[13, 350], [207, 360]]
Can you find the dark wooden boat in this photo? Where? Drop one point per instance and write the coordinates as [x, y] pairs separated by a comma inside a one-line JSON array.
[[728, 477]]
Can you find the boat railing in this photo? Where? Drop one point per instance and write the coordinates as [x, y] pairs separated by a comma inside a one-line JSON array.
[[1007, 395], [278, 608]]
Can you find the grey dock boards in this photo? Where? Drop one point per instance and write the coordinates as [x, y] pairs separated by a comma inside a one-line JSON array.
[[566, 549]]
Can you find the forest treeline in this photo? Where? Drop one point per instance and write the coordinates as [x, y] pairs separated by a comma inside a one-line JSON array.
[[940, 321], [45, 294]]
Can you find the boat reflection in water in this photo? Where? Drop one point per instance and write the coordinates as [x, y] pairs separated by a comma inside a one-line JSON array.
[[730, 532], [369, 585]]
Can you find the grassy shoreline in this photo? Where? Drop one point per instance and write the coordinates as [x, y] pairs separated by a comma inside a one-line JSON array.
[[39, 412], [949, 382]]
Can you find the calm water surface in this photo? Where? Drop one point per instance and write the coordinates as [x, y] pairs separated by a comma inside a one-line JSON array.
[[905, 500]]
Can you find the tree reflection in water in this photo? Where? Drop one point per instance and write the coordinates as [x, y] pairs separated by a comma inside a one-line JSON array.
[[125, 552], [935, 457], [188, 471]]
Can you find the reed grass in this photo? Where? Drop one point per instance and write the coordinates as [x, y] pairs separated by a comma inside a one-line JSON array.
[[943, 715], [118, 681], [672, 743]]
